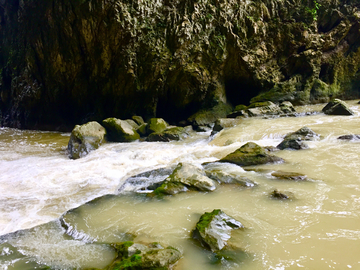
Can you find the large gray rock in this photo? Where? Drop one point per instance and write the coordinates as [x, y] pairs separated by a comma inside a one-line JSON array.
[[337, 107], [229, 178], [85, 138], [214, 229], [120, 130], [185, 177], [295, 139], [251, 154]]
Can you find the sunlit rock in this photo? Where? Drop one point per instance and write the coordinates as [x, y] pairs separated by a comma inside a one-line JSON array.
[[337, 107], [185, 177], [85, 138], [251, 154], [139, 256], [213, 230], [120, 130], [156, 125]]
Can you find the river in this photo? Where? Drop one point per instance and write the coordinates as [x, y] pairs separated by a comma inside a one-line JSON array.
[[317, 230]]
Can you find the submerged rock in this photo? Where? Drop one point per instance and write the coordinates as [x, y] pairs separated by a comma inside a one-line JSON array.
[[85, 138], [185, 177], [214, 229], [251, 154], [289, 176], [167, 135], [350, 137], [138, 256], [337, 107], [282, 195], [229, 178], [120, 130]]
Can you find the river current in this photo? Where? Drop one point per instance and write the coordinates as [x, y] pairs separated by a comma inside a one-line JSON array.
[[317, 230]]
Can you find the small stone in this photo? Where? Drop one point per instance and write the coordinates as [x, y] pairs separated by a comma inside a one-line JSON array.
[[282, 195], [289, 176]]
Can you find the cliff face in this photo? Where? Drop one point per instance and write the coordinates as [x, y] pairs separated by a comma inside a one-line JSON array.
[[69, 61]]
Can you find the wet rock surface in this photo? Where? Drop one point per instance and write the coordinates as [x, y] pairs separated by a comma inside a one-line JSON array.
[[167, 135], [251, 154], [85, 138], [295, 139], [120, 130], [337, 107], [292, 176], [282, 195], [350, 137], [214, 229]]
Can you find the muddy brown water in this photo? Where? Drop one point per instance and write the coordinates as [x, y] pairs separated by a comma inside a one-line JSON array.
[[317, 230]]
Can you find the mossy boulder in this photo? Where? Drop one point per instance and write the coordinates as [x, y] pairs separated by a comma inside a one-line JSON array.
[[251, 154], [138, 119], [337, 107], [142, 129], [138, 256], [287, 107], [170, 134], [132, 123], [120, 130], [185, 177], [85, 138], [156, 125], [213, 230]]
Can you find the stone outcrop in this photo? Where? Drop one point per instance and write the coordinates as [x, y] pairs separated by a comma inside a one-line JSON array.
[[337, 107], [68, 62], [85, 138], [251, 154]]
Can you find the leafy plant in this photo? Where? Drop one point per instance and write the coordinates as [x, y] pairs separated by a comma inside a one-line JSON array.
[[313, 11]]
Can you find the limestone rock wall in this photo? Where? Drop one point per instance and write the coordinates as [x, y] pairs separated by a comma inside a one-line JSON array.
[[70, 61]]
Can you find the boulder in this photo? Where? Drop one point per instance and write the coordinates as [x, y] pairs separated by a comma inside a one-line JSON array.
[[251, 154], [213, 230], [292, 176], [337, 107], [170, 134], [350, 137], [222, 123], [139, 256], [132, 123], [287, 107], [263, 108], [282, 195], [207, 117], [142, 130], [138, 119], [85, 138], [120, 130], [185, 177], [229, 178], [156, 125], [295, 139]]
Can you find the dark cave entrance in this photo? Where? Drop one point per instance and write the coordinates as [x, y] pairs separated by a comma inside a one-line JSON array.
[[240, 91]]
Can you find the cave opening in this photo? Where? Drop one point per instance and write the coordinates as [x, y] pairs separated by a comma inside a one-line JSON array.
[[240, 91]]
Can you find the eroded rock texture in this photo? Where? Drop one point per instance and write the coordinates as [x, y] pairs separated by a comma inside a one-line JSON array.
[[71, 61]]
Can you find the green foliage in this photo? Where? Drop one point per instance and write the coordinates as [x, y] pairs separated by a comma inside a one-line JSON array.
[[313, 11]]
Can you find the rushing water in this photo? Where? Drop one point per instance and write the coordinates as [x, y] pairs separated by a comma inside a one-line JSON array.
[[317, 230]]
